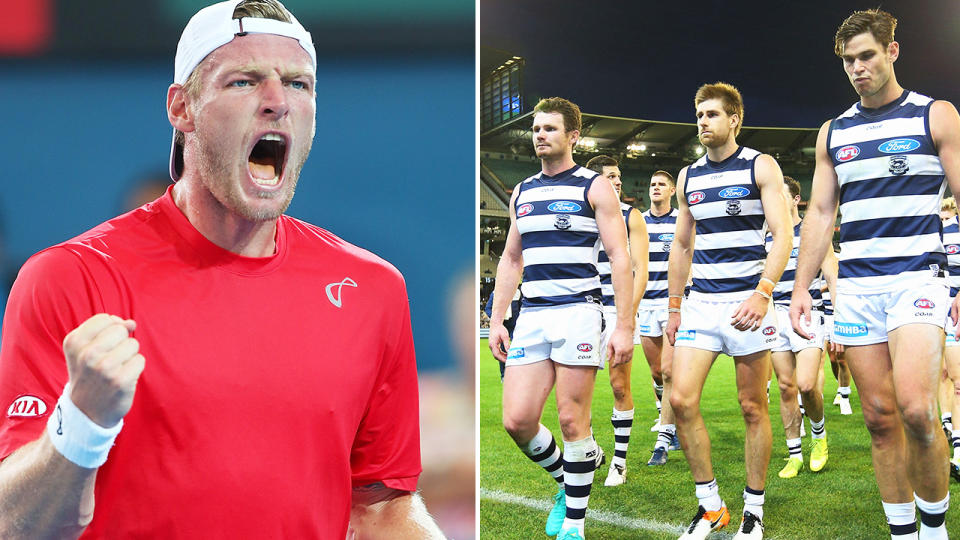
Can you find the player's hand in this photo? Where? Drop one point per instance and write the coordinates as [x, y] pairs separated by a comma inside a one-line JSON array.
[[749, 314], [620, 348], [954, 313], [499, 341], [801, 309], [673, 324], [836, 348], [104, 364]]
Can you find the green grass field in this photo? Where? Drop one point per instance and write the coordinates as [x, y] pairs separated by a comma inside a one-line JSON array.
[[841, 501]]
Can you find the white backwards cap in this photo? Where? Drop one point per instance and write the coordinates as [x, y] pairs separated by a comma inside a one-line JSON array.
[[209, 29]]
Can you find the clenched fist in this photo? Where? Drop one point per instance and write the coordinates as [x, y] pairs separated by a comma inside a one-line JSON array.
[[104, 364]]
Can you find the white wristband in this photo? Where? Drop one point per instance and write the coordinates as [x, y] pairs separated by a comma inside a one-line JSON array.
[[77, 437]]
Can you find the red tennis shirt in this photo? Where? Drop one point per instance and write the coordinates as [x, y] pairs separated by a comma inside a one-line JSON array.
[[272, 385]]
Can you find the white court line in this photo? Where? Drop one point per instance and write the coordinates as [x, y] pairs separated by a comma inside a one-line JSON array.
[[603, 516]]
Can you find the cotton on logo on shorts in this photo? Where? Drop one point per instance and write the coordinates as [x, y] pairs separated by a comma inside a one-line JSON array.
[[849, 329], [27, 406], [923, 303], [584, 347], [769, 331]]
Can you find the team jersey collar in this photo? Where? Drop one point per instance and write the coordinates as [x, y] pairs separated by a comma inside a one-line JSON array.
[[726, 161], [546, 177], [883, 109], [209, 254]]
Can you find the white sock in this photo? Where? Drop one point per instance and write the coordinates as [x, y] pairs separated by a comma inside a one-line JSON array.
[[708, 493], [902, 520], [932, 526]]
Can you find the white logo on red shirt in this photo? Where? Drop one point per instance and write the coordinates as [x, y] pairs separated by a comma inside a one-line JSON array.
[[335, 300], [27, 406]]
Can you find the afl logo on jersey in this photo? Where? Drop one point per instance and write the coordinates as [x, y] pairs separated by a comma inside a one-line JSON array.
[[27, 406], [898, 146], [735, 192], [848, 152], [566, 207], [524, 209], [666, 237], [923, 303], [584, 347], [952, 249], [769, 331], [695, 197]]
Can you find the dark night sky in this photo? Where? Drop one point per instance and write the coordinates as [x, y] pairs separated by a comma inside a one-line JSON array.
[[642, 59]]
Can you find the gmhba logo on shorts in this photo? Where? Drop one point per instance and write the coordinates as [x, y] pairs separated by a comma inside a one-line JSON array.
[[849, 329], [27, 406]]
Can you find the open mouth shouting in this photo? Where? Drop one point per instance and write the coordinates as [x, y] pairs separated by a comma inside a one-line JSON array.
[[267, 160]]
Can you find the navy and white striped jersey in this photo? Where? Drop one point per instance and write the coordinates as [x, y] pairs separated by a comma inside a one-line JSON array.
[[660, 231], [603, 262], [951, 244], [827, 304], [784, 288], [891, 183], [559, 238], [729, 250]]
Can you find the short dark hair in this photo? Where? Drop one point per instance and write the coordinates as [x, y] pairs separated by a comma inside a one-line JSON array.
[[879, 23], [666, 175], [597, 163], [726, 93], [793, 185], [566, 108]]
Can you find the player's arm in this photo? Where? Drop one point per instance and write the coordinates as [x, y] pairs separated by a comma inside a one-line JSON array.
[[945, 131], [770, 181], [639, 255], [43, 494], [679, 265], [816, 232], [509, 272], [378, 511], [613, 235]]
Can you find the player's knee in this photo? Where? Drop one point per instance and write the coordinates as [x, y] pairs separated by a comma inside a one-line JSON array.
[[683, 405], [753, 409], [621, 389], [880, 418], [807, 386], [788, 387], [920, 422], [520, 430]]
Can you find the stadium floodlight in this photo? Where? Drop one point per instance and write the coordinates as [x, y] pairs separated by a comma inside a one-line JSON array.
[[698, 150], [587, 144], [636, 148]]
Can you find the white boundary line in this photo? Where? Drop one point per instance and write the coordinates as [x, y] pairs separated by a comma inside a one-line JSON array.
[[602, 516]]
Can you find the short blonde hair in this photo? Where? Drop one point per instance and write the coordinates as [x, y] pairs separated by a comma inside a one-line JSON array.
[[948, 204], [728, 95]]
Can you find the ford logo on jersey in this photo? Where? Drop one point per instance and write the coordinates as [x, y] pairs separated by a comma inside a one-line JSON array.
[[848, 152], [735, 192], [567, 207], [668, 237], [695, 197], [923, 303], [952, 249], [897, 146], [524, 209]]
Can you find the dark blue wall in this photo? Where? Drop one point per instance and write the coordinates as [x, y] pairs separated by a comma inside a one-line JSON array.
[[392, 167]]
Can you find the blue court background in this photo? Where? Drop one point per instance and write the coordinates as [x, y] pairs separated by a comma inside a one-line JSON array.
[[392, 166]]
